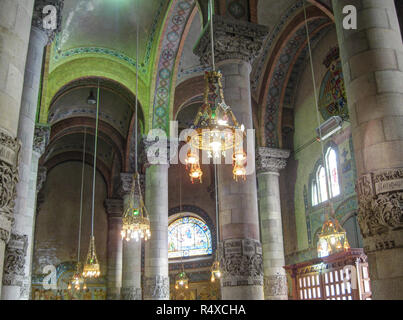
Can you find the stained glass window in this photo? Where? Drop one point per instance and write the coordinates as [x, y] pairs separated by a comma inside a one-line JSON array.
[[188, 237]]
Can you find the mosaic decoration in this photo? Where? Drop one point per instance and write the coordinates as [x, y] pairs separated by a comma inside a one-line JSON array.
[[332, 95], [188, 237], [58, 55], [279, 76], [176, 23]]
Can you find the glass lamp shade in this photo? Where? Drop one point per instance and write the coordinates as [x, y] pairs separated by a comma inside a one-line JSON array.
[[195, 173], [332, 239], [77, 282], [215, 271], [181, 281], [91, 267]]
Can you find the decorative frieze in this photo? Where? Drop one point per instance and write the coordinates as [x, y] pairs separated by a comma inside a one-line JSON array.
[[242, 263], [9, 156], [275, 285], [271, 160], [380, 197], [131, 293], [233, 39], [156, 288], [41, 138], [39, 16], [14, 262]]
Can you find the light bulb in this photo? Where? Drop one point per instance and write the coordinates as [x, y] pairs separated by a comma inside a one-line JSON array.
[[215, 146]]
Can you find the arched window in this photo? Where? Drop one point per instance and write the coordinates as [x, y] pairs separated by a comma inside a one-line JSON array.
[[319, 190], [188, 237], [331, 162]]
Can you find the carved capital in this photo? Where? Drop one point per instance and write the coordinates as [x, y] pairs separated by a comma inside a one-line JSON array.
[[5, 229], [131, 293], [14, 262], [114, 207], [233, 39], [156, 288], [271, 160], [9, 157], [275, 287], [380, 200], [158, 151], [41, 138], [242, 263], [38, 16]]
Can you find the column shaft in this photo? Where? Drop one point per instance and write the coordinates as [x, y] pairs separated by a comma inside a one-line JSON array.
[[114, 277], [239, 220], [156, 280], [16, 280], [269, 163], [15, 26], [372, 58]]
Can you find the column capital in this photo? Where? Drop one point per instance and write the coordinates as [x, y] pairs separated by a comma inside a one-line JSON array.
[[156, 146], [233, 39], [271, 160], [9, 158], [38, 16], [41, 138], [114, 207]]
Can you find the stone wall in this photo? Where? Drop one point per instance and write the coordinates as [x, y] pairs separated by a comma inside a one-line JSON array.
[[309, 219], [56, 232]]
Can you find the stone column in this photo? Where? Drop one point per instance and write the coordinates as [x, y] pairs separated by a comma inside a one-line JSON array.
[[269, 163], [15, 26], [114, 209], [237, 44], [16, 278], [131, 271], [156, 278], [372, 59]]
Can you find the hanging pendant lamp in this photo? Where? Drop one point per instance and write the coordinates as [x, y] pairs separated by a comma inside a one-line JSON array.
[[135, 221], [181, 279], [91, 267], [215, 267], [332, 238], [78, 282], [216, 127], [136, 224]]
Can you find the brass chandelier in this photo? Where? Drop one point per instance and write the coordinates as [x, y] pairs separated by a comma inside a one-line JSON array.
[[136, 224], [216, 129], [182, 280]]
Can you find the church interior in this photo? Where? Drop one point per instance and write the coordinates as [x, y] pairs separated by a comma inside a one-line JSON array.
[[297, 194]]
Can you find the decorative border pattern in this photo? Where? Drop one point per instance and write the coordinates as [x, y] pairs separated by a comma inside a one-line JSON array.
[[169, 49]]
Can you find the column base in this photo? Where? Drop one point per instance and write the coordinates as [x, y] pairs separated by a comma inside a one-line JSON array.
[[242, 293], [275, 287]]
